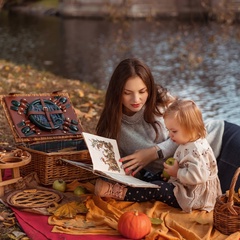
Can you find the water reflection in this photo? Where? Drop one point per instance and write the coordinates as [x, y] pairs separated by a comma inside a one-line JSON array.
[[200, 61]]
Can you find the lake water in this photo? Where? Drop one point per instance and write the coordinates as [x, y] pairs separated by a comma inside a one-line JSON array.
[[198, 61]]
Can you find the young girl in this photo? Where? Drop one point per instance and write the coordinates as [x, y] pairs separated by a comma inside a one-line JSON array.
[[132, 115], [194, 182]]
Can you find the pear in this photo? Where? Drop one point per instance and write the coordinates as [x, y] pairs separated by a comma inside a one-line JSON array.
[[59, 185], [169, 161], [79, 190]]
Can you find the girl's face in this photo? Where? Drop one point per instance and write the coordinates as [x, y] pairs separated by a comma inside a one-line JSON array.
[[176, 132], [134, 96]]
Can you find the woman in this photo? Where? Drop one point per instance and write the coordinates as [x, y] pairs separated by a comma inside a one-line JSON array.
[[133, 116]]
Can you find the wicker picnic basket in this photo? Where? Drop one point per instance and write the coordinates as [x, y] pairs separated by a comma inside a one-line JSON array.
[[226, 213], [46, 126]]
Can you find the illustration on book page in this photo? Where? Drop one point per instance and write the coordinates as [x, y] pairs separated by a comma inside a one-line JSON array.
[[104, 153]]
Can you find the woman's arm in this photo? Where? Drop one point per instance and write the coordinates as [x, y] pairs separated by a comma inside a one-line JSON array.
[[133, 163], [168, 148], [148, 158]]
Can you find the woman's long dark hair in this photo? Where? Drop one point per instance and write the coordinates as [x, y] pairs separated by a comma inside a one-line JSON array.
[[109, 124]]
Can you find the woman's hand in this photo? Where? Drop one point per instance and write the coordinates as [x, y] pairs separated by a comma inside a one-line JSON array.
[[133, 163], [171, 169]]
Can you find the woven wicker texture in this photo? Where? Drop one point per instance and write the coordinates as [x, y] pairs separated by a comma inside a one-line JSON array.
[[226, 214], [47, 163]]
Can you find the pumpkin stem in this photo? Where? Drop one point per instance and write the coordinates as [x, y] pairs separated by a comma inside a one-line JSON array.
[[136, 212]]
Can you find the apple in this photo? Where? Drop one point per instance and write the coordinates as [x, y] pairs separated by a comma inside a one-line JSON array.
[[59, 185], [169, 161], [79, 190]]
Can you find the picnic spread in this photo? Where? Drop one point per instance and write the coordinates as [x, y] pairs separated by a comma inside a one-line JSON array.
[[102, 215], [46, 130]]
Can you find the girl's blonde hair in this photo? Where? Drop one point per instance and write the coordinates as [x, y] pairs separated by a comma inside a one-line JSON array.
[[189, 117]]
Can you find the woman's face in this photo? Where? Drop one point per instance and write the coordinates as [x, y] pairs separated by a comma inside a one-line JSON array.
[[134, 96]]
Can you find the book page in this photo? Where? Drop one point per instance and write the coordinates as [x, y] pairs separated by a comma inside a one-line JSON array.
[[104, 153], [130, 180], [124, 179]]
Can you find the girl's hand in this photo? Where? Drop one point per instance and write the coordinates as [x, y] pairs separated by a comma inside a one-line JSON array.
[[133, 163], [171, 170]]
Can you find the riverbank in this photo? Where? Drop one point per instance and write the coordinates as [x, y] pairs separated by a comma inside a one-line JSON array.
[[220, 11], [24, 79], [41, 7]]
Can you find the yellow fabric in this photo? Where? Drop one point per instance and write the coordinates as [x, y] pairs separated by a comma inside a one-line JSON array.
[[103, 216]]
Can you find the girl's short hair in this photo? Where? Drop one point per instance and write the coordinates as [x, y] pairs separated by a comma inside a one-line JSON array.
[[188, 115]]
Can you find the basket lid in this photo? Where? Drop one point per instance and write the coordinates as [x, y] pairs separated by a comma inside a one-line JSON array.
[[40, 117]]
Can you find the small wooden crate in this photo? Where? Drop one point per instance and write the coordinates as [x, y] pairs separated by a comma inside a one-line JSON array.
[[46, 126], [226, 214]]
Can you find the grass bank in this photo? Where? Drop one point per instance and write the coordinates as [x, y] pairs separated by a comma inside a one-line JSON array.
[[86, 100]]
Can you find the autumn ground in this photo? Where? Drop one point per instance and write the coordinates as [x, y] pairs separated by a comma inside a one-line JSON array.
[[25, 79]]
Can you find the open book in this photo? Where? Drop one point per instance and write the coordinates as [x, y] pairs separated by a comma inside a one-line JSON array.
[[105, 161]]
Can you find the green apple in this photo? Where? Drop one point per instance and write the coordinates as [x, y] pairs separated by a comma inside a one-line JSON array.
[[79, 190], [169, 161], [59, 185]]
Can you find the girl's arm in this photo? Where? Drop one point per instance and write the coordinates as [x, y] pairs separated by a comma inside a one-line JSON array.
[[193, 171]]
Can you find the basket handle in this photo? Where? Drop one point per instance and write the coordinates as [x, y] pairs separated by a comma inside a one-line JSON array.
[[230, 201], [232, 186]]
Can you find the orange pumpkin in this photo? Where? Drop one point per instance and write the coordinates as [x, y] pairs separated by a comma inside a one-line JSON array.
[[134, 225]]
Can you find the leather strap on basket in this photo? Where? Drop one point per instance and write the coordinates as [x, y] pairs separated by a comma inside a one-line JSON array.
[[46, 113], [229, 204]]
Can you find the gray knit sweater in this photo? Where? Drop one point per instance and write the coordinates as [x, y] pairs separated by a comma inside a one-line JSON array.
[[137, 134]]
